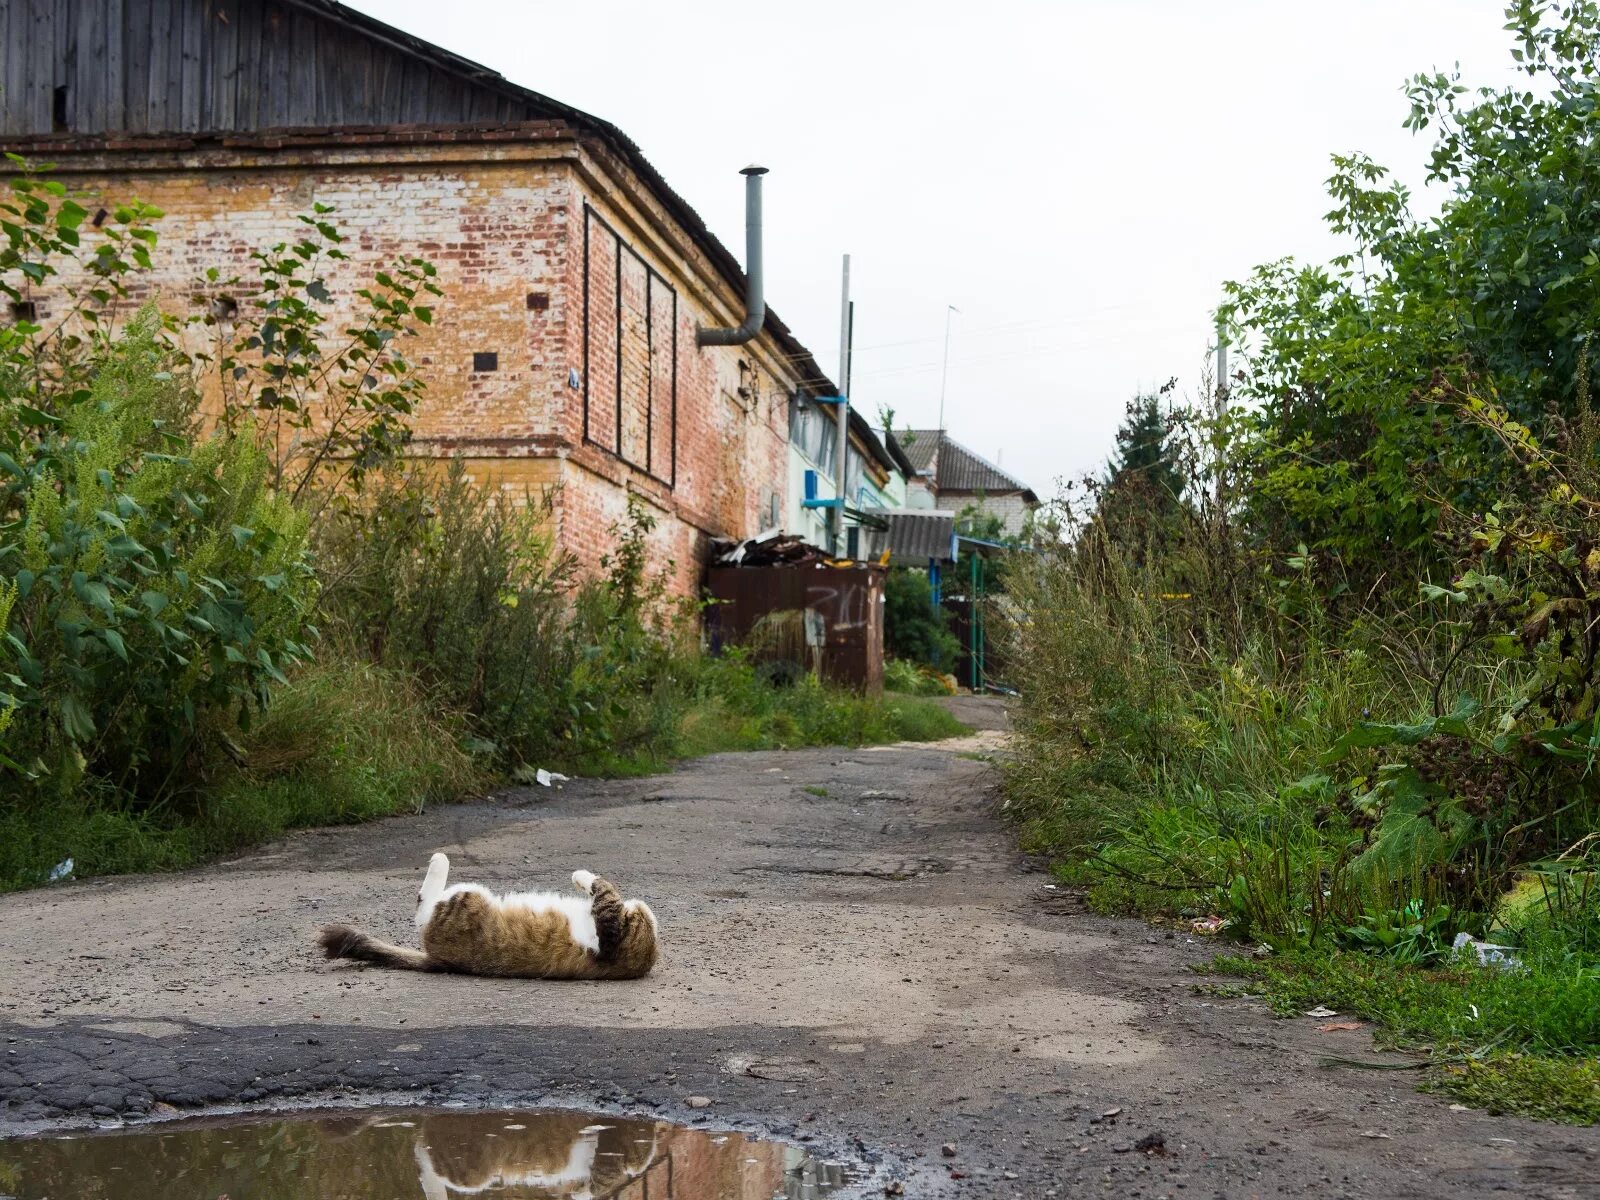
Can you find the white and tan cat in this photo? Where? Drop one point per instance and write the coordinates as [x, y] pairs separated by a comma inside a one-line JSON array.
[[538, 935]]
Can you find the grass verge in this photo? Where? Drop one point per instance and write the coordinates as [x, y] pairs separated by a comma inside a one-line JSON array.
[[1523, 1041], [346, 741]]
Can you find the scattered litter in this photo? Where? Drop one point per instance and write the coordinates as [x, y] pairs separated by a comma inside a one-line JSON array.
[[1108, 1115], [527, 774], [948, 1149], [62, 870], [1338, 1025], [1049, 887], [1373, 1133], [1261, 951], [698, 1101], [1489, 955], [1461, 1108], [1321, 1010], [1210, 924]]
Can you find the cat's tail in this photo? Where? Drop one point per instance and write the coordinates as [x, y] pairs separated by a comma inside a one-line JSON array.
[[341, 941]]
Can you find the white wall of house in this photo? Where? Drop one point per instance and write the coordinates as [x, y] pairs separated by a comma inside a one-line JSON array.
[[1012, 510]]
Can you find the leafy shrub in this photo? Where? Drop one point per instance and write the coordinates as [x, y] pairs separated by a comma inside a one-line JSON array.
[[912, 680], [343, 741], [159, 588], [913, 629]]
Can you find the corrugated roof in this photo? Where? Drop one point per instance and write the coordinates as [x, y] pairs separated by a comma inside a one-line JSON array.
[[958, 469], [918, 534]]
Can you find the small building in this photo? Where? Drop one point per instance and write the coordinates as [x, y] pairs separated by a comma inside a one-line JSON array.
[[950, 476], [564, 354]]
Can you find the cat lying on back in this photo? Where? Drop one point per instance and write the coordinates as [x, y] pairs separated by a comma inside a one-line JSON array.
[[540, 935]]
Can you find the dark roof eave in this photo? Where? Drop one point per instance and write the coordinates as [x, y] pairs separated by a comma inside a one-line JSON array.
[[479, 75]]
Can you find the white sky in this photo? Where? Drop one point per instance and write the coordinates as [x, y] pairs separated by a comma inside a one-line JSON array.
[[1077, 178]]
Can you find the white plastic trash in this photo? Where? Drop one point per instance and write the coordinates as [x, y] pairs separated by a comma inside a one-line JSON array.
[[1489, 955]]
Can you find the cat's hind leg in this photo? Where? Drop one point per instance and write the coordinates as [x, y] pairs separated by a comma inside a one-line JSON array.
[[432, 887], [605, 906]]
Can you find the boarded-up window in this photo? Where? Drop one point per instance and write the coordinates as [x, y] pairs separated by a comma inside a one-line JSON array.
[[630, 354]]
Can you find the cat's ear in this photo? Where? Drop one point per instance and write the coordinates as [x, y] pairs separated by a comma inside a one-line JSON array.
[[583, 881]]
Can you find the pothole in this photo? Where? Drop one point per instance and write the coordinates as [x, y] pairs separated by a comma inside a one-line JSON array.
[[379, 1154]]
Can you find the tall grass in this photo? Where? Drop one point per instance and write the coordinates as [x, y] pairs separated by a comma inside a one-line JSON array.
[[1181, 762]]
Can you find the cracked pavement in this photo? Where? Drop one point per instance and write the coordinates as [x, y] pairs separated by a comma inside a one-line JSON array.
[[873, 970]]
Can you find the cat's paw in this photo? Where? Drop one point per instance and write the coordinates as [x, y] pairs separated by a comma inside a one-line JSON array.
[[583, 881]]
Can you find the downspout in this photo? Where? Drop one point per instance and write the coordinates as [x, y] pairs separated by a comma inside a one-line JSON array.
[[755, 302]]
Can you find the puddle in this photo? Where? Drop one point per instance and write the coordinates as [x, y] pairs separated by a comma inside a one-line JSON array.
[[427, 1154]]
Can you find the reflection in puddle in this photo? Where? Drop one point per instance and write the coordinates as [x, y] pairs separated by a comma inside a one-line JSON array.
[[428, 1155]]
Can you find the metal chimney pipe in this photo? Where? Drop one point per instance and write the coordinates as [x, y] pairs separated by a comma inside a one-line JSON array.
[[755, 302]]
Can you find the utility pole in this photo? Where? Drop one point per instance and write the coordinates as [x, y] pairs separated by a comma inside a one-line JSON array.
[[944, 372], [1222, 359], [841, 457]]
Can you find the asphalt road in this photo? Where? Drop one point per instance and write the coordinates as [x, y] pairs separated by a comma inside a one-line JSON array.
[[856, 956]]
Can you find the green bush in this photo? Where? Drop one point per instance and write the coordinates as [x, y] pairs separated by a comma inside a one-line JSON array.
[[463, 587], [159, 589], [913, 629], [910, 679]]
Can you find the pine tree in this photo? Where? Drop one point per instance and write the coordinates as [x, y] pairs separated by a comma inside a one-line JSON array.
[[1143, 450], [1143, 488]]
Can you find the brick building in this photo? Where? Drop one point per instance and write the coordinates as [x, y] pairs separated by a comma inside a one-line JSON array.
[[564, 352]]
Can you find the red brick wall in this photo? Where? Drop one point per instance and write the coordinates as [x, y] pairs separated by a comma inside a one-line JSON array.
[[505, 224]]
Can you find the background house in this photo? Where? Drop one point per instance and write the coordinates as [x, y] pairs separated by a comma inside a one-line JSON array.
[[950, 476], [563, 354]]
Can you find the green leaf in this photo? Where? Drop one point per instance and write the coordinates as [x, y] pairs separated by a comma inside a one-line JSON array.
[[93, 593], [76, 720], [114, 640]]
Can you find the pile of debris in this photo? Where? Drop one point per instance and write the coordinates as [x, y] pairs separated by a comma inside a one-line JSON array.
[[770, 548]]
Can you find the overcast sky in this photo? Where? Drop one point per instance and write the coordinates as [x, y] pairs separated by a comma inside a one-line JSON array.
[[1077, 178]]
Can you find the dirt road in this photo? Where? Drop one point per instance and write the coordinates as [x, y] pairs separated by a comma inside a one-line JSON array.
[[856, 956]]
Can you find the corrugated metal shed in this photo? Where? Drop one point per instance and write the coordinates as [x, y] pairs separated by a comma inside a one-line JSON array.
[[915, 536], [827, 620]]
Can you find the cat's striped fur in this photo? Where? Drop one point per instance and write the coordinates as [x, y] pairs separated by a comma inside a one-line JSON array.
[[468, 929]]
